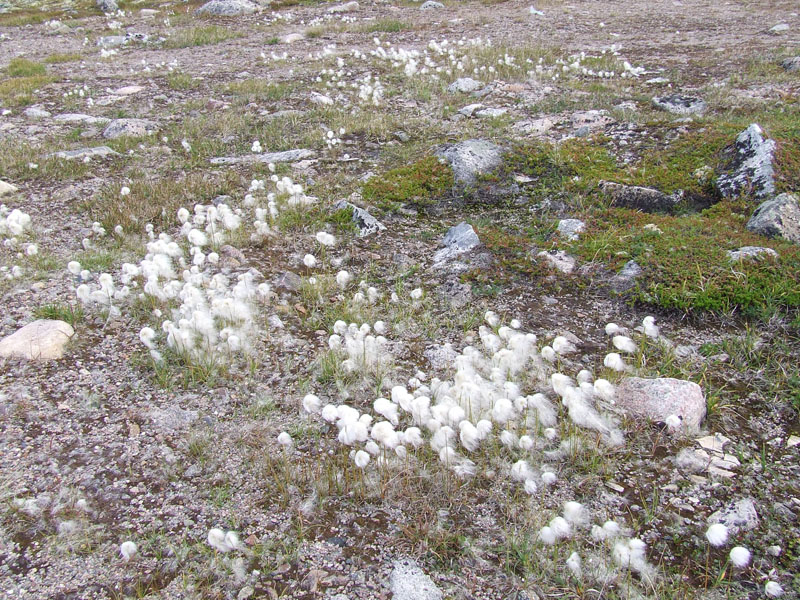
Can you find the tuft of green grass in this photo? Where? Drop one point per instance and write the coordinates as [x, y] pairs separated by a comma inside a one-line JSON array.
[[60, 312], [204, 35], [18, 91], [58, 58], [22, 67], [178, 80], [259, 90], [419, 184], [386, 26]]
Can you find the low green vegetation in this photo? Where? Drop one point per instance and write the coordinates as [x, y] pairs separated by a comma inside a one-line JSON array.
[[22, 67], [60, 312], [259, 90], [418, 185], [203, 35], [58, 58], [385, 26]]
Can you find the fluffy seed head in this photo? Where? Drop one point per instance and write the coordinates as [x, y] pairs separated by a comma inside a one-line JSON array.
[[740, 557], [717, 534], [127, 550]]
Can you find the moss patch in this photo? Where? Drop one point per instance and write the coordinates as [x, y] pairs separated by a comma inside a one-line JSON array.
[[419, 184]]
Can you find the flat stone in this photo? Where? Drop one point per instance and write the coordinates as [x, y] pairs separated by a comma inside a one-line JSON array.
[[267, 157], [228, 8], [490, 113], [751, 253], [535, 127], [112, 41], [471, 158], [293, 37], [431, 5], [366, 223], [645, 199], [35, 112], [738, 516], [71, 118], [748, 166], [409, 582], [129, 90], [129, 127], [343, 8], [570, 228], [713, 443], [465, 85], [172, 418], [288, 281], [659, 398], [779, 28], [81, 153], [470, 109], [791, 64], [779, 217], [458, 240], [678, 104], [6, 188], [626, 278], [559, 260], [440, 357], [44, 339]]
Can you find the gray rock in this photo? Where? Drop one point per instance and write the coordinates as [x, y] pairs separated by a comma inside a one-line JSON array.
[[791, 64], [465, 85], [490, 113], [441, 357], [458, 240], [431, 5], [228, 8], [779, 28], [678, 104], [779, 217], [626, 278], [659, 398], [108, 6], [570, 228], [457, 293], [44, 339], [35, 112], [471, 158], [751, 253], [738, 516], [81, 153], [6, 188], [172, 418], [470, 109], [748, 166], [366, 223], [638, 198], [288, 281], [409, 582], [112, 41], [344, 8], [559, 260], [267, 157], [73, 118], [129, 127]]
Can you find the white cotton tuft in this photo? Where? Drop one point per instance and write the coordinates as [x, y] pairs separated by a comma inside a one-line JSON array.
[[387, 409], [547, 536], [650, 327], [614, 361], [575, 513], [560, 527], [624, 344], [740, 557], [216, 539], [469, 436], [503, 410], [343, 278], [548, 354], [329, 413], [605, 390], [520, 471], [284, 439], [612, 329], [311, 404], [563, 346], [491, 318], [127, 550], [717, 534], [549, 478], [773, 589], [530, 486], [310, 261], [561, 383], [574, 565], [526, 442], [584, 376], [361, 459], [673, 422], [509, 439]]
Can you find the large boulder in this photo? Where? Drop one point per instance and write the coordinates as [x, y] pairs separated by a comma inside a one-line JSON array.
[[657, 399], [44, 339], [779, 217], [228, 8], [645, 199], [471, 158], [748, 166]]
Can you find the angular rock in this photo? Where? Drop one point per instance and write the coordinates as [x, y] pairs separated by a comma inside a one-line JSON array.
[[409, 582], [343, 8], [431, 5], [128, 90], [458, 240], [366, 223], [457, 293], [490, 113], [35, 112], [779, 217], [471, 158], [465, 85], [6, 188], [112, 41], [288, 281], [791, 64], [108, 6], [751, 253], [779, 28], [570, 228], [678, 104], [81, 153], [645, 199], [626, 278], [470, 109], [228, 8], [72, 118], [559, 260], [659, 398], [44, 339], [748, 166], [267, 157], [129, 127], [738, 516]]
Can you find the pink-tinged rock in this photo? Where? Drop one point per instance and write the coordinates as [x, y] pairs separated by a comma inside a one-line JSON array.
[[44, 339], [657, 399]]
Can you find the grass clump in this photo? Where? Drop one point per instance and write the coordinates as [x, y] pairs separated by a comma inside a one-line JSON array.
[[18, 90], [386, 26], [60, 312], [253, 90], [178, 80], [205, 35], [22, 67], [59, 58], [419, 184]]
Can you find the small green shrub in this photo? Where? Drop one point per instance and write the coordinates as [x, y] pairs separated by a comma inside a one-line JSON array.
[[418, 185]]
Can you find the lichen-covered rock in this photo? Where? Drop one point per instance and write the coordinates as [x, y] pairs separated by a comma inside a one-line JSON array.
[[678, 104], [44, 339], [791, 64], [465, 85], [748, 167], [459, 239], [659, 398], [228, 8], [409, 582], [471, 158], [645, 199], [752, 253], [779, 217], [365, 222], [129, 127]]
